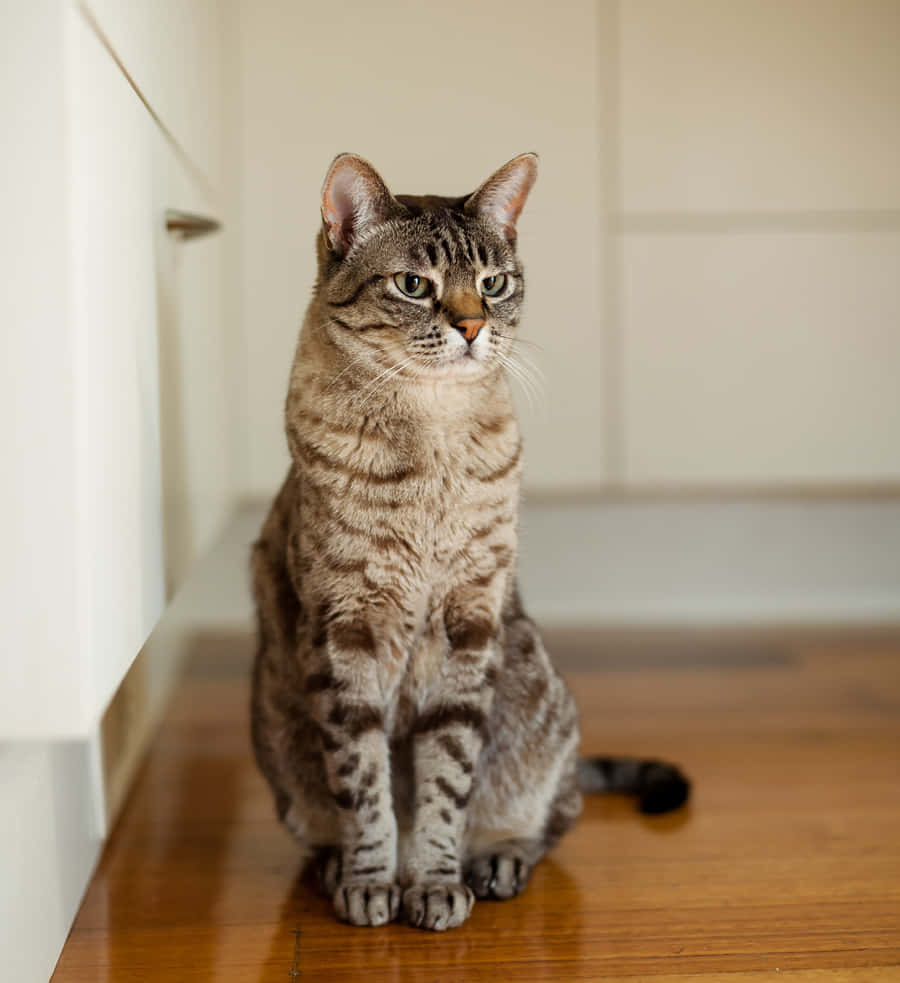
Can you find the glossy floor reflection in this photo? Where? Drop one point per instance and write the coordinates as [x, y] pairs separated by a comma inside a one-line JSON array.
[[787, 861]]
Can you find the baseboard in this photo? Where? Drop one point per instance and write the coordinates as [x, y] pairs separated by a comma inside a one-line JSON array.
[[781, 562], [743, 561]]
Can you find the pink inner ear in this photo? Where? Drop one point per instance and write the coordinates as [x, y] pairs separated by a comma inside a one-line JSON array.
[[353, 198], [516, 197], [503, 196], [339, 208], [516, 188]]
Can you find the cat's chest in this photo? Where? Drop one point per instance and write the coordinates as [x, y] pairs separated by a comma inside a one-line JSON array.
[[407, 507], [438, 476], [451, 498], [422, 516]]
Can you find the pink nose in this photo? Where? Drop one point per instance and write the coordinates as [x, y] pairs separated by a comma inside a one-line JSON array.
[[469, 326]]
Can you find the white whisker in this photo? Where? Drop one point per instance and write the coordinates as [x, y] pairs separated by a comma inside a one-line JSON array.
[[354, 361], [373, 383], [528, 376], [516, 340], [515, 373], [377, 386], [532, 368]]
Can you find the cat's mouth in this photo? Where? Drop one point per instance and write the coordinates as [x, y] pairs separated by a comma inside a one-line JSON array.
[[459, 366], [470, 360]]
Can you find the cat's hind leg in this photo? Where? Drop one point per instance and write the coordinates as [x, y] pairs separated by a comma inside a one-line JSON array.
[[526, 789], [498, 867]]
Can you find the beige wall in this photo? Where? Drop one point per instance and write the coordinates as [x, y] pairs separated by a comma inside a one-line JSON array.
[[436, 96], [713, 246], [760, 248]]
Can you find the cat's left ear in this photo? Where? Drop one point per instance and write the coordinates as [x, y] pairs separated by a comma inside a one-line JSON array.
[[354, 200], [501, 198]]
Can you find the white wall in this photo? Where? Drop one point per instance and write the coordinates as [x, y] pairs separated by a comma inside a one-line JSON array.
[[713, 246]]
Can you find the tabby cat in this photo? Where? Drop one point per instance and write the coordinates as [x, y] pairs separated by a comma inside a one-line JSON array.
[[420, 745]]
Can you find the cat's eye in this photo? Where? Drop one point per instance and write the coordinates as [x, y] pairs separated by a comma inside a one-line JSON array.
[[412, 285], [491, 286]]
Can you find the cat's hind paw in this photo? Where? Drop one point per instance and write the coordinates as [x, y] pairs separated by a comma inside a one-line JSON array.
[[499, 875], [328, 868], [437, 906]]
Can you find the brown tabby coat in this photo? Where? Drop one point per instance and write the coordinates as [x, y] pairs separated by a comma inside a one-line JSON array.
[[405, 711]]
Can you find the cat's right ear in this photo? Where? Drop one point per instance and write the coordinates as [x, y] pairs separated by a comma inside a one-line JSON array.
[[354, 200]]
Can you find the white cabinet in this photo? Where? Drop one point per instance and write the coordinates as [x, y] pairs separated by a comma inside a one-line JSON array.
[[195, 400], [119, 584], [106, 318], [172, 50]]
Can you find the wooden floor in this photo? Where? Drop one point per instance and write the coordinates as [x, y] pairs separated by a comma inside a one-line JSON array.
[[786, 865]]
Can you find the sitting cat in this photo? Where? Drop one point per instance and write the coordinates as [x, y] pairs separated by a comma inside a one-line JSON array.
[[416, 736]]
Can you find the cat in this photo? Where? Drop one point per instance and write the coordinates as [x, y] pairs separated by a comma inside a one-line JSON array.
[[418, 741]]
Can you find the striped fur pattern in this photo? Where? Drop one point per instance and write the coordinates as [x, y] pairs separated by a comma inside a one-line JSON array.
[[416, 736]]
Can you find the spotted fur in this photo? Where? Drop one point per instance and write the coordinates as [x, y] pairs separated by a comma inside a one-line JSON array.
[[416, 736]]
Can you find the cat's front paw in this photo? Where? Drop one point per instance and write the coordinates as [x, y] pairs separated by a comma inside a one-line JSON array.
[[437, 906], [367, 904]]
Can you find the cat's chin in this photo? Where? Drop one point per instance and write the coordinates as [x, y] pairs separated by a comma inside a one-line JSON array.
[[466, 367]]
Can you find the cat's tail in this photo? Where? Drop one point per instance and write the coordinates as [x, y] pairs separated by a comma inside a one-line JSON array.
[[660, 787]]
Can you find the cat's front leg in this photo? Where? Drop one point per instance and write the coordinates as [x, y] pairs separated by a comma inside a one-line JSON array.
[[348, 697], [447, 740]]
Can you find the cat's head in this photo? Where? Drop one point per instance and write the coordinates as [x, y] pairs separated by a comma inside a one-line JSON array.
[[430, 283]]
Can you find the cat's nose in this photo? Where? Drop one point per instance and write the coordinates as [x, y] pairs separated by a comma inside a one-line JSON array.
[[469, 327]]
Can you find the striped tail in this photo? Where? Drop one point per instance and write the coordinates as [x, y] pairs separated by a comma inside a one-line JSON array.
[[660, 787]]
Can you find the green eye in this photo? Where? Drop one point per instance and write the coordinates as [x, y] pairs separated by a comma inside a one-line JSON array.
[[412, 284], [491, 286]]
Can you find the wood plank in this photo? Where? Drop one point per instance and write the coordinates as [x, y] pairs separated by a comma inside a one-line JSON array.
[[786, 865]]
